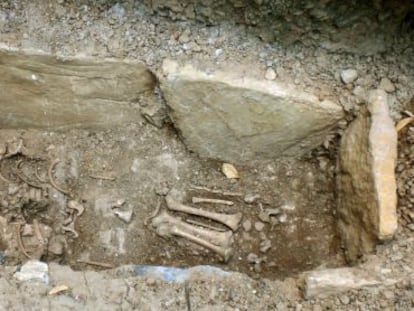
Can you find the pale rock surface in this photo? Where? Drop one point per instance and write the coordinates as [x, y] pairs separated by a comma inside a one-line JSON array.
[[366, 181], [33, 270], [323, 283], [386, 85], [349, 75], [42, 91], [236, 118]]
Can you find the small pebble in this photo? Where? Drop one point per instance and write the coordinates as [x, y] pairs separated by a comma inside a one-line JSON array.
[[252, 258], [250, 198], [344, 299], [349, 75], [258, 225], [386, 85], [257, 267], [247, 225], [265, 245], [282, 218], [270, 74]]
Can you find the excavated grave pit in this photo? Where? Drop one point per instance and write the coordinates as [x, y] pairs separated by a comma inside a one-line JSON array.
[[134, 167]]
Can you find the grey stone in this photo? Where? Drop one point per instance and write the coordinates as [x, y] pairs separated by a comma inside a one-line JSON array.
[[386, 85], [247, 225], [33, 270], [327, 282], [258, 225], [270, 74], [349, 75], [46, 92], [367, 197], [236, 118]]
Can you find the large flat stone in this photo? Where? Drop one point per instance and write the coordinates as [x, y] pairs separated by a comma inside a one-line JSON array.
[[235, 118], [367, 197], [41, 91]]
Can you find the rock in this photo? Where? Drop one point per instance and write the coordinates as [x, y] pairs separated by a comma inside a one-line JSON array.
[[247, 225], [185, 36], [2, 257], [265, 214], [250, 198], [344, 299], [265, 245], [45, 92], [386, 85], [270, 74], [33, 270], [366, 180], [235, 118], [258, 225], [124, 213], [252, 258], [349, 75], [327, 282]]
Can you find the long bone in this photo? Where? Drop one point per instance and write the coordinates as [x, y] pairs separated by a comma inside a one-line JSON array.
[[230, 220], [166, 229], [223, 239]]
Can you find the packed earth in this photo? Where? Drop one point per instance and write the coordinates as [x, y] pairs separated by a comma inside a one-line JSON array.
[[88, 208]]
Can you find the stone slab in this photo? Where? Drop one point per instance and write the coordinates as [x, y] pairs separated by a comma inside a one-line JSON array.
[[41, 91], [367, 198], [327, 282], [235, 118]]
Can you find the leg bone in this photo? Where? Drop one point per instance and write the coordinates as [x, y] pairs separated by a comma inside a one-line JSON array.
[[166, 229], [223, 239], [232, 221]]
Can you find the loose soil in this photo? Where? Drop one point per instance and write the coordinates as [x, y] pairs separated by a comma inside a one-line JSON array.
[[138, 165]]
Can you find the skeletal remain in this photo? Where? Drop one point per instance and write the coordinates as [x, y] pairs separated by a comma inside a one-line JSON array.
[[223, 239], [52, 180], [202, 224], [71, 228], [232, 221], [236, 194], [166, 229], [214, 201], [265, 215], [72, 204]]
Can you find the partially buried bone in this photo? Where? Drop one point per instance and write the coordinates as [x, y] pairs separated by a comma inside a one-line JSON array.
[[223, 239], [166, 229], [76, 206], [266, 214], [232, 221]]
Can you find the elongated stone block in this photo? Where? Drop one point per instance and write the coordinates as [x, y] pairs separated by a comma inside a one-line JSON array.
[[323, 283], [42, 91], [367, 198], [236, 118]]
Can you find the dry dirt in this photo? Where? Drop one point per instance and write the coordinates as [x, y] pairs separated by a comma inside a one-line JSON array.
[[143, 164]]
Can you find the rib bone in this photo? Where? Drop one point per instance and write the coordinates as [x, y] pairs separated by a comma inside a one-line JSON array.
[[232, 221], [165, 229], [222, 239]]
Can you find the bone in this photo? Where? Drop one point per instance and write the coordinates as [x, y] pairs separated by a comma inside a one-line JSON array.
[[223, 239], [214, 201], [72, 204], [165, 229], [232, 221], [265, 215], [202, 224], [71, 228]]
